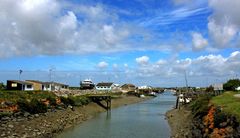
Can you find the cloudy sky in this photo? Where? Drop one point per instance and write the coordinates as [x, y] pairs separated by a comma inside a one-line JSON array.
[[145, 42]]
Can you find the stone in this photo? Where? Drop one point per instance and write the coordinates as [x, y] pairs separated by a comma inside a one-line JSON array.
[[26, 114], [5, 118], [36, 115], [10, 126]]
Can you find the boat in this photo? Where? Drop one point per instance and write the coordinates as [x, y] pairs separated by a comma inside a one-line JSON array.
[[87, 84]]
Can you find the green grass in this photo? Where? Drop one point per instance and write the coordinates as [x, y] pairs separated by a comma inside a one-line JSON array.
[[14, 96], [229, 103]]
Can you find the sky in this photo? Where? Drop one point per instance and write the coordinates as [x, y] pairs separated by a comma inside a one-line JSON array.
[[144, 42]]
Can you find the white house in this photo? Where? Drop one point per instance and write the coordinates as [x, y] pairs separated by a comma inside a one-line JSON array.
[[144, 87], [105, 86], [238, 88], [54, 86]]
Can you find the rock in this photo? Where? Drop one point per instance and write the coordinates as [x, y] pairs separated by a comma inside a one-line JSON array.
[[6, 118], [26, 114], [223, 124], [20, 119], [10, 126], [2, 135], [36, 115]]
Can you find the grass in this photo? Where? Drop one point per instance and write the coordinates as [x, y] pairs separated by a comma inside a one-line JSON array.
[[14, 96], [229, 103]]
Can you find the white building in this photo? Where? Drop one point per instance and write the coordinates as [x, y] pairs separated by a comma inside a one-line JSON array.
[[105, 86], [54, 86]]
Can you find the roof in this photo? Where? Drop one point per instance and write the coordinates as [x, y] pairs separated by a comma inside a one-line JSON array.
[[35, 81], [21, 82], [105, 84], [128, 85], [56, 83]]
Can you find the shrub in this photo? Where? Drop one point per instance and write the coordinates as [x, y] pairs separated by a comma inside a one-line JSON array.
[[200, 106], [52, 101], [80, 100], [33, 107], [67, 101]]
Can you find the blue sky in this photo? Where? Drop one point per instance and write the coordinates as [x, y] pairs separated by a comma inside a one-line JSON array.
[[145, 42]]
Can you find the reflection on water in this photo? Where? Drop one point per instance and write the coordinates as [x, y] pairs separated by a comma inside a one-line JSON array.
[[142, 120]]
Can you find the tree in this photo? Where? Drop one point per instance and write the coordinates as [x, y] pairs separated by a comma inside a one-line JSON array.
[[231, 84]]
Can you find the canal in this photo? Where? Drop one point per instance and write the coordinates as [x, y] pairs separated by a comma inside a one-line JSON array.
[[141, 120]]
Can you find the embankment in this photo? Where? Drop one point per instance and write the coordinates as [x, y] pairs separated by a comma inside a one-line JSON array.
[[51, 123], [204, 118]]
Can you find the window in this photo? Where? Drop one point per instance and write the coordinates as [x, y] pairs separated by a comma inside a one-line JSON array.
[[14, 85], [29, 86]]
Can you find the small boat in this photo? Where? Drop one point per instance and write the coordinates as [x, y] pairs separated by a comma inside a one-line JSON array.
[[87, 84]]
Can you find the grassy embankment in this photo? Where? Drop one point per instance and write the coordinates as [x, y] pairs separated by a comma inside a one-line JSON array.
[[228, 103], [36, 101]]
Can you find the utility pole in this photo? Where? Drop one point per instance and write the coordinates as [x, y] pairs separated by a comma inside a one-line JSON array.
[[20, 72], [186, 80], [50, 75]]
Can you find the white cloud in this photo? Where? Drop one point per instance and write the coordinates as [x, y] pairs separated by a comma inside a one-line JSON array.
[[199, 43], [202, 66], [142, 60], [102, 64], [115, 66], [224, 22], [51, 27], [221, 34]]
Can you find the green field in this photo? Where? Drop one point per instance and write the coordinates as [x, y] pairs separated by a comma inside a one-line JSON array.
[[229, 103]]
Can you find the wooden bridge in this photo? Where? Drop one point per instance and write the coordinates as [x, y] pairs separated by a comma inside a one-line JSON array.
[[99, 98]]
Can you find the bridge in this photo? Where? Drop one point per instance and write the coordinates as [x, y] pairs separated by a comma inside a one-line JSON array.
[[99, 98]]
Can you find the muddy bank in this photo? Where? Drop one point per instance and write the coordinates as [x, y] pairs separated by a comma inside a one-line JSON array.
[[180, 122], [51, 123]]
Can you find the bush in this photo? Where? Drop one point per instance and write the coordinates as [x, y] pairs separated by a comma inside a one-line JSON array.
[[67, 101], [80, 100], [200, 106], [33, 107], [52, 101]]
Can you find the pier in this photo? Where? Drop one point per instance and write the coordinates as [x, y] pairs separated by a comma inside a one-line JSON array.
[[98, 98]]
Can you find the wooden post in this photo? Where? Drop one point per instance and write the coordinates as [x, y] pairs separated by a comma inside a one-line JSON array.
[[177, 102]]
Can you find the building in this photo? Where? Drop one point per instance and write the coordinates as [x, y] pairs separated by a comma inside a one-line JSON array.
[[218, 87], [54, 86], [37, 85], [238, 88], [128, 88], [19, 85], [104, 86]]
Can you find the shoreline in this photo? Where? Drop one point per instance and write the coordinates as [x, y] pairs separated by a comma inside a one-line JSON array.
[[51, 124], [179, 121]]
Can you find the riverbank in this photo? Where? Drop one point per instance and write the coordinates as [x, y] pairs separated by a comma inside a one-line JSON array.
[[208, 116], [179, 121], [51, 123]]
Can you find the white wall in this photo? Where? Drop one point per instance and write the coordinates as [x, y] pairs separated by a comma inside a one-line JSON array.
[[28, 89], [103, 88]]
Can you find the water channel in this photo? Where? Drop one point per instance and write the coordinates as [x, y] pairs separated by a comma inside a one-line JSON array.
[[141, 120]]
